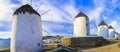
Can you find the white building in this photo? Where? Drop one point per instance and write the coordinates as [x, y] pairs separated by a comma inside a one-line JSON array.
[[111, 32], [26, 30], [117, 35], [81, 25], [103, 30]]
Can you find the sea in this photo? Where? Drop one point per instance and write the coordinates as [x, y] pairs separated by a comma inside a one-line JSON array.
[[4, 43]]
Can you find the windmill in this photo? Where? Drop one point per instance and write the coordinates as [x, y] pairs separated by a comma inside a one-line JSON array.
[[41, 3], [26, 27], [93, 22], [94, 27], [80, 21]]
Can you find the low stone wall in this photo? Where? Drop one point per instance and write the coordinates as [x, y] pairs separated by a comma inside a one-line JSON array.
[[50, 46], [84, 41]]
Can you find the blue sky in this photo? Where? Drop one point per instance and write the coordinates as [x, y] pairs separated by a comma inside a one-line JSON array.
[[62, 13]]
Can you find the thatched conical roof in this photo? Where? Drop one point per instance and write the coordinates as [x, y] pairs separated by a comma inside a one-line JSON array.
[[102, 23], [26, 8], [81, 14], [110, 27]]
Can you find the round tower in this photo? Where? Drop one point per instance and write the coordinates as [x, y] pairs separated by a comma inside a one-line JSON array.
[[111, 32], [103, 30], [117, 35], [81, 25], [26, 30]]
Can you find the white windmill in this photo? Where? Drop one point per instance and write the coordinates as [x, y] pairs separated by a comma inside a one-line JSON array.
[[111, 32], [81, 25], [26, 30], [103, 30]]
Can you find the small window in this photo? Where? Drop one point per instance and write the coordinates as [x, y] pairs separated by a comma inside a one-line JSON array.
[[38, 44]]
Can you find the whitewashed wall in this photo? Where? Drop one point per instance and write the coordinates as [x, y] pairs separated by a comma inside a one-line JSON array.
[[81, 27], [26, 33], [116, 35], [103, 31], [111, 33]]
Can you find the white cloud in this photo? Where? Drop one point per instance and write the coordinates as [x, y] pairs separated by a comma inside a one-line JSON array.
[[105, 17], [114, 23], [54, 14], [114, 4], [118, 17], [95, 14], [70, 12], [5, 35], [6, 10], [107, 8]]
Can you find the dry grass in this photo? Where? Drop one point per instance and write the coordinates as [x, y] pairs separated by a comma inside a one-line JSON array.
[[108, 48], [119, 43], [5, 50]]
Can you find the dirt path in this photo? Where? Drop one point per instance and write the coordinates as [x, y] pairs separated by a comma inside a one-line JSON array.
[[108, 48]]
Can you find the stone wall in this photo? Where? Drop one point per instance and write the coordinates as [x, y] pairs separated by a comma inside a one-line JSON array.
[[84, 41]]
